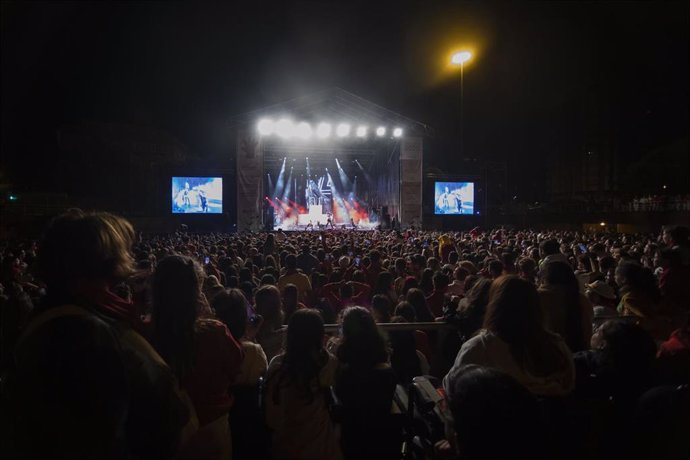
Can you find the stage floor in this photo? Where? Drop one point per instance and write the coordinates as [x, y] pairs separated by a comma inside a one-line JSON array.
[[314, 228]]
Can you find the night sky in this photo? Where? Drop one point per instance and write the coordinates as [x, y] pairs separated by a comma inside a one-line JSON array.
[[545, 74]]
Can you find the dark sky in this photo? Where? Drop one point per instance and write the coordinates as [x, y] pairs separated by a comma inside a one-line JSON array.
[[545, 74]]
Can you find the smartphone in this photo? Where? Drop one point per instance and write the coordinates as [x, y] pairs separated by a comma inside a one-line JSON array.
[[320, 238], [357, 261], [206, 260], [251, 314], [583, 248]]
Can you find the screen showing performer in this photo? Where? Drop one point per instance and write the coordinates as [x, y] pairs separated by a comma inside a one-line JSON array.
[[197, 195], [454, 198]]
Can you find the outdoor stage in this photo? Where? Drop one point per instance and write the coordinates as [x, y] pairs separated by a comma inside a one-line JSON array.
[[328, 160]]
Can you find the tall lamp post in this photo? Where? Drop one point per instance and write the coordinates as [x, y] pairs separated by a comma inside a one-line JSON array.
[[460, 58]]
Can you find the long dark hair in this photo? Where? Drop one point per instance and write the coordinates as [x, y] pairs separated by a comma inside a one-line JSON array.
[[514, 315], [404, 358], [416, 298], [473, 312], [176, 294], [362, 346], [304, 353], [561, 274], [231, 308]]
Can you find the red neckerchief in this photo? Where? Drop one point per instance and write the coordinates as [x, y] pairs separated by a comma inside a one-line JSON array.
[[99, 296]]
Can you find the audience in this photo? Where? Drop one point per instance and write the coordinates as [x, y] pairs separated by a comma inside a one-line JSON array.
[[150, 341]]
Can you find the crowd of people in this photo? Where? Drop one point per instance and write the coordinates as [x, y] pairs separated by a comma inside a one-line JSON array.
[[118, 345]]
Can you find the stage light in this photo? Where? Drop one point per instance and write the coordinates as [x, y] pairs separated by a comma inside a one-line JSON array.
[[343, 130], [397, 132], [285, 128], [380, 131], [323, 130], [362, 131], [303, 130], [266, 127]]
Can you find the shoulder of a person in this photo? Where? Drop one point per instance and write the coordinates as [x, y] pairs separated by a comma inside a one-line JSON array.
[[481, 339], [210, 325], [275, 364]]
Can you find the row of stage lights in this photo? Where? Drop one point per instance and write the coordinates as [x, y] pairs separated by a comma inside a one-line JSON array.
[[286, 129]]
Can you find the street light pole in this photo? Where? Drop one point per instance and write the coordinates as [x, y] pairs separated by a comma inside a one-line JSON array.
[[460, 58], [462, 97]]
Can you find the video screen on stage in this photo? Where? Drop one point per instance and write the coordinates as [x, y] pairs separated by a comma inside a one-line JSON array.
[[454, 198], [197, 195]]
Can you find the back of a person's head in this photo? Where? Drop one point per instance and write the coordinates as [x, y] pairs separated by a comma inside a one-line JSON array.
[[478, 295], [345, 291], [85, 246], [268, 305], [494, 417], [304, 335], [440, 281], [245, 274], [405, 310], [495, 268], [558, 273], [626, 346], [514, 315], [508, 259], [410, 283], [416, 297], [460, 273], [290, 292], [176, 294], [362, 345], [304, 354], [381, 307], [527, 265], [231, 307], [469, 266], [635, 277], [549, 247], [268, 279], [384, 281], [291, 262]]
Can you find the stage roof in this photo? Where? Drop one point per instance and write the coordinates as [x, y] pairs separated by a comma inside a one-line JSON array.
[[335, 105]]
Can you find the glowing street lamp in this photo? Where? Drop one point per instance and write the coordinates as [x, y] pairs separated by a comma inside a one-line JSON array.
[[460, 58]]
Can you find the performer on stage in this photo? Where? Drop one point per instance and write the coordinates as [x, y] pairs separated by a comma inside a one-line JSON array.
[[330, 221], [185, 196], [203, 200]]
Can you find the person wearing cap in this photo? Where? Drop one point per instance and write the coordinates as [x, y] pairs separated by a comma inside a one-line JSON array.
[[603, 298]]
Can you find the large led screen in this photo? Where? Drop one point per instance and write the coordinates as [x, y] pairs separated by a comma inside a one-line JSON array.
[[454, 198], [197, 195]]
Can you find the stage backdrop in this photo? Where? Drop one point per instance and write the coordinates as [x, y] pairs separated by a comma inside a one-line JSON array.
[[250, 160], [411, 181]]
